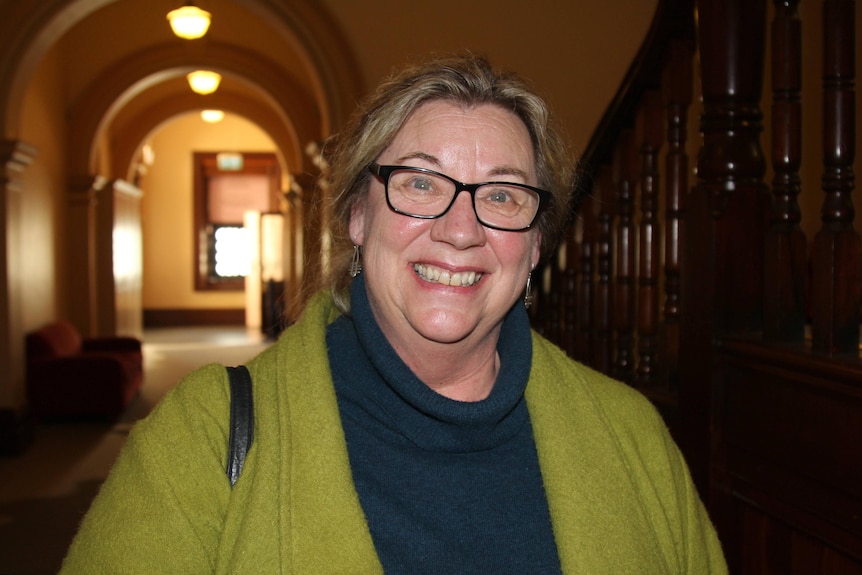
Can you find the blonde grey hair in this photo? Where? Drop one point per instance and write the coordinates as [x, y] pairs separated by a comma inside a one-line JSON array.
[[465, 80]]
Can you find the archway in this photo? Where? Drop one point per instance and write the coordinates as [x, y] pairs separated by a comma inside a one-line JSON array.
[[32, 28]]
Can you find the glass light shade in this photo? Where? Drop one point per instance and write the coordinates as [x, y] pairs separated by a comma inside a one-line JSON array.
[[212, 116], [189, 22], [204, 81]]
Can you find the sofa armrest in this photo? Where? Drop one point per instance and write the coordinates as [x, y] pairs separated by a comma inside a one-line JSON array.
[[90, 385], [70, 371]]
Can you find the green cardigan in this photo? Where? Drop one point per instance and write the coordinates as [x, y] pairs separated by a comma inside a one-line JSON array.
[[620, 495]]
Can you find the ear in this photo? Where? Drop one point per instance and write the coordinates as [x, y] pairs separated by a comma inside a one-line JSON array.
[[357, 222], [536, 251]]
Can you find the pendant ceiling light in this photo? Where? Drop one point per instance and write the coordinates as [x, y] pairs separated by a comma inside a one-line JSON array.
[[189, 22], [212, 116], [204, 81]]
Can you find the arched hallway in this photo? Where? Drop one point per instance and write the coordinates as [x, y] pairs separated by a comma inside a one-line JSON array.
[[85, 83]]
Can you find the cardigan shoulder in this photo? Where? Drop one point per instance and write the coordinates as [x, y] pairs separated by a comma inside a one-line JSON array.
[[619, 490], [555, 373]]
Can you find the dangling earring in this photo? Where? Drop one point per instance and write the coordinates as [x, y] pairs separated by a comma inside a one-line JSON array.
[[355, 262], [528, 293]]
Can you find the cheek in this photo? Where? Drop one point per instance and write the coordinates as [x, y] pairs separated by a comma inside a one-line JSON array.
[[388, 235], [517, 251]]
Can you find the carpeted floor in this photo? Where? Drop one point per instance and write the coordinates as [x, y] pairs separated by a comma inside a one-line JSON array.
[[45, 491]]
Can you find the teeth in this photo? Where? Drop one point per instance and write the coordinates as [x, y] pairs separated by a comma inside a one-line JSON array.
[[432, 274]]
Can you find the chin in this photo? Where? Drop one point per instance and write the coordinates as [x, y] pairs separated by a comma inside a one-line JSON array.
[[444, 326]]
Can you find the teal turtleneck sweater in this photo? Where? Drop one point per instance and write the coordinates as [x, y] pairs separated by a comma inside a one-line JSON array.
[[446, 486]]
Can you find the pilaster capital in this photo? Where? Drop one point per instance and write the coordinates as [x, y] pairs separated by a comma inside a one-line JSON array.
[[15, 156]]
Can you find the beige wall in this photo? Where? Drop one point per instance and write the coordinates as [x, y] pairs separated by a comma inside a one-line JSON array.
[[45, 202], [574, 52], [168, 208]]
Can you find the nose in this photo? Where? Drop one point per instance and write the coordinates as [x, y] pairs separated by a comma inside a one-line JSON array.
[[459, 225]]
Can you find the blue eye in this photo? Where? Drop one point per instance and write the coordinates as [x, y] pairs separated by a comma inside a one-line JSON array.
[[421, 184], [498, 196]]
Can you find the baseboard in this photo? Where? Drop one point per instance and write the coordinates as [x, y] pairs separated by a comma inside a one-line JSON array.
[[17, 427], [193, 317]]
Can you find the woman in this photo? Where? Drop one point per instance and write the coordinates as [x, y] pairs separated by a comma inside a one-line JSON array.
[[410, 422]]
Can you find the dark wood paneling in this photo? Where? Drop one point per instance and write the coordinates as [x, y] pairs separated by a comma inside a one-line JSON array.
[[787, 429], [191, 317]]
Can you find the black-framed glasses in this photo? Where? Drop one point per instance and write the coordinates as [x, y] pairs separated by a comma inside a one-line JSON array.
[[426, 194]]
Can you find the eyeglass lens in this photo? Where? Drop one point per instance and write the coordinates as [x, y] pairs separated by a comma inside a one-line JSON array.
[[422, 194]]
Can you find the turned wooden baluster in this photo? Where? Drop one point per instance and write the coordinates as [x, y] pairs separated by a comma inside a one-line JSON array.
[[568, 329], [538, 312], [726, 258], [726, 215], [678, 92], [836, 252], [545, 289], [553, 298], [649, 243], [625, 301], [785, 258], [603, 335], [586, 289]]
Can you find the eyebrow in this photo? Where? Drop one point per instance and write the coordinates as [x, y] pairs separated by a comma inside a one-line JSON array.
[[499, 171], [419, 156]]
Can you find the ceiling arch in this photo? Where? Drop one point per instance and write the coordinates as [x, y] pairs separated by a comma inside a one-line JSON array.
[[40, 24], [127, 141], [325, 49], [93, 111]]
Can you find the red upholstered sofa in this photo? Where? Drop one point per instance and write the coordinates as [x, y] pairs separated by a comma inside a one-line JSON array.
[[71, 376]]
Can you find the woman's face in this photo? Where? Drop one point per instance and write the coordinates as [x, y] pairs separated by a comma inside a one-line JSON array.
[[402, 255]]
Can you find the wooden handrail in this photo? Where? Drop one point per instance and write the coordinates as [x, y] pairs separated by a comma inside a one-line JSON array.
[[673, 22]]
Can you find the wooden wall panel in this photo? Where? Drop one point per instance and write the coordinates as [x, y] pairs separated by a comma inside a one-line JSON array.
[[787, 471]]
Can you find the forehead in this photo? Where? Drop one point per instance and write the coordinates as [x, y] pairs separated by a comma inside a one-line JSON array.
[[442, 126]]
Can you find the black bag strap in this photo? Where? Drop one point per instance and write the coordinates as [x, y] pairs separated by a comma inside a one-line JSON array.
[[241, 420]]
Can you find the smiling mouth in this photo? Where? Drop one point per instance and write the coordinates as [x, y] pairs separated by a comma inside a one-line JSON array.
[[440, 276]]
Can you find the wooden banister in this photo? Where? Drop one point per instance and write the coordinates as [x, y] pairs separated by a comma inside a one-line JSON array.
[[706, 298], [673, 22]]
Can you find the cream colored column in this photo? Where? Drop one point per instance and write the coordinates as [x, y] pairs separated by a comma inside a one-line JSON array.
[[15, 156]]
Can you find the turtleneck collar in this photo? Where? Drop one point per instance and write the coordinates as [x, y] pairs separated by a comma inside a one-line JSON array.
[[370, 373]]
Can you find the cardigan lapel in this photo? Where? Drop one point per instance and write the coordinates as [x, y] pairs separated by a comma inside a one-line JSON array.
[[327, 530]]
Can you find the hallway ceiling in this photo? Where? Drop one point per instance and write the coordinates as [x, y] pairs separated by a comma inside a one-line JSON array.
[[123, 71], [297, 65]]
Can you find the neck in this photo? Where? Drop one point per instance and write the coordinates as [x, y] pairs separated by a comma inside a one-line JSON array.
[[454, 370]]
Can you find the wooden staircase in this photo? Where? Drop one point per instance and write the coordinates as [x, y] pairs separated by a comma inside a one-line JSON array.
[[699, 287]]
